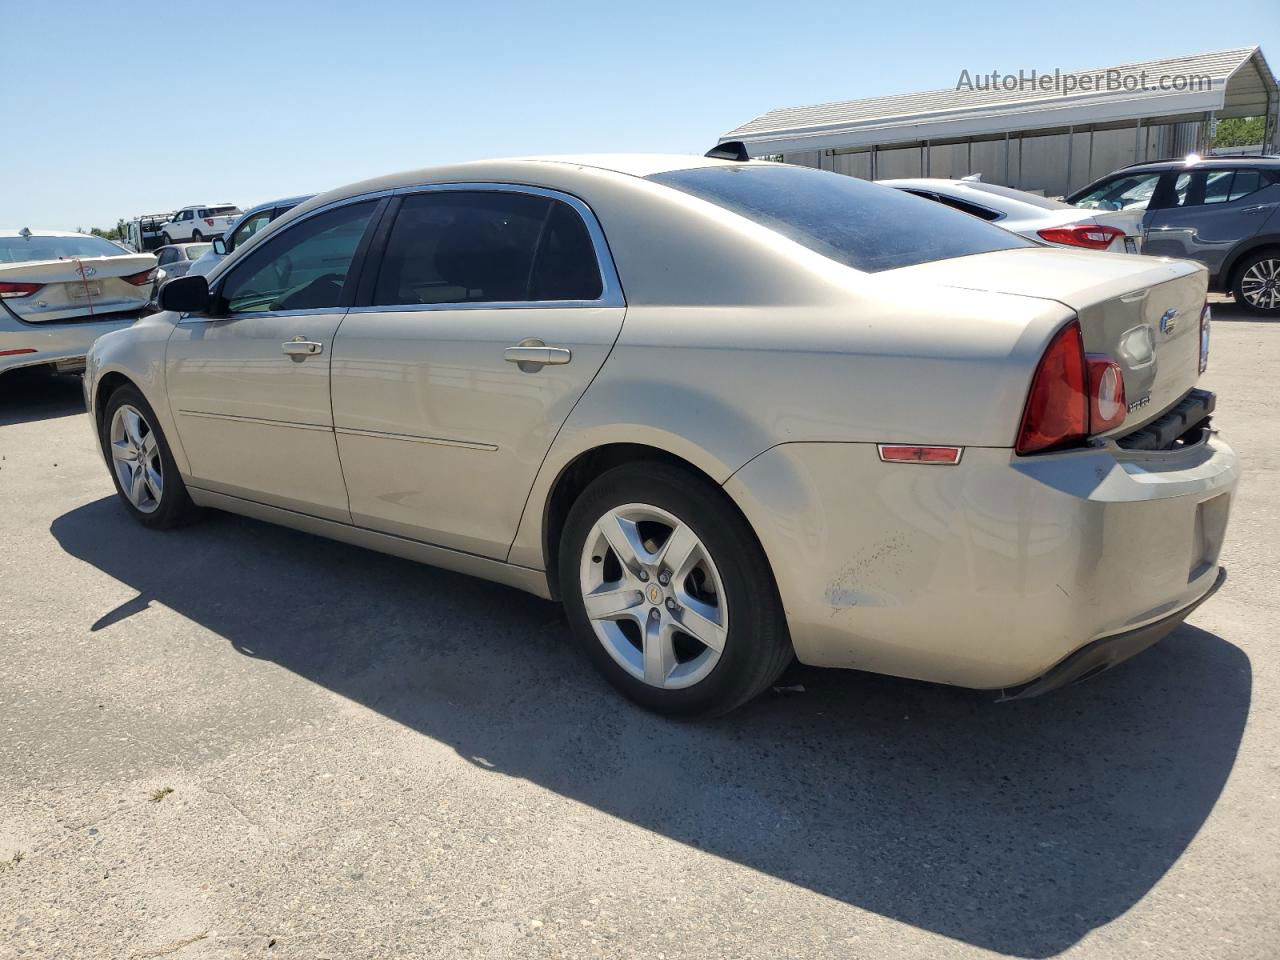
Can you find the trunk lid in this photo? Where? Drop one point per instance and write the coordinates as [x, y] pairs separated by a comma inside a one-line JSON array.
[[1143, 312], [74, 287]]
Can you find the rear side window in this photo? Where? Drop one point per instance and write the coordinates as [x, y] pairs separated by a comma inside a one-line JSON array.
[[304, 268], [955, 203], [860, 224], [486, 247]]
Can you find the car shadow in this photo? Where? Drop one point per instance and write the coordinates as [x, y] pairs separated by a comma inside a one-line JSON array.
[[1017, 827], [28, 396]]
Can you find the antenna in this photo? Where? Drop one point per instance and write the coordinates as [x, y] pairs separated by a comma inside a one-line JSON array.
[[729, 150]]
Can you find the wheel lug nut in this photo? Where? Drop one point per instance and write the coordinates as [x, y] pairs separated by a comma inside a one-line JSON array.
[[671, 604], [644, 577], [663, 579]]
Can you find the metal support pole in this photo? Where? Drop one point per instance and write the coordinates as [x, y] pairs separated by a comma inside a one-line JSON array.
[[969, 158], [1006, 158], [925, 161], [1088, 174], [1071, 142], [1137, 138]]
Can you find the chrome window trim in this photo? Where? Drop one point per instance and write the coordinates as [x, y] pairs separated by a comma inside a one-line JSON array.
[[611, 294]]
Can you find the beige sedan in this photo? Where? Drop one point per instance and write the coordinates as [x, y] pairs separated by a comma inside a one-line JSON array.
[[730, 412]]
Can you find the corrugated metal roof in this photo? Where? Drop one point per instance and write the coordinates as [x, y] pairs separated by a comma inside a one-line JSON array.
[[966, 112]]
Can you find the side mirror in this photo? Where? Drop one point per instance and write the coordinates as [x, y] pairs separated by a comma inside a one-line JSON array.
[[219, 246], [185, 295]]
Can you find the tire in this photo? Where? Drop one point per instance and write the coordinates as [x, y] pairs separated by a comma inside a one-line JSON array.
[[196, 236], [166, 238], [1256, 284], [173, 506], [726, 577]]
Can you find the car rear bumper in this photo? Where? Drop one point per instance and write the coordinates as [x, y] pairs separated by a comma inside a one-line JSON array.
[[61, 344], [990, 573]]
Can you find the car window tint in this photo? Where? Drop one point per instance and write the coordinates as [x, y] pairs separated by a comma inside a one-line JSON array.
[[1245, 183], [862, 225], [1127, 192], [955, 203], [304, 268], [249, 228], [486, 247], [1217, 186]]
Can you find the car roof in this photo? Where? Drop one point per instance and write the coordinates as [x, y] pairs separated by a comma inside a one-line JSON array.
[[17, 232], [1204, 162], [270, 204]]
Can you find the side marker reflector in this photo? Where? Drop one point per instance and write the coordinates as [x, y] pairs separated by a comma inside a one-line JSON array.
[[900, 453], [14, 353]]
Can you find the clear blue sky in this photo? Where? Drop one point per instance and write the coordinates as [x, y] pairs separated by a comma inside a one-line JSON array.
[[114, 109]]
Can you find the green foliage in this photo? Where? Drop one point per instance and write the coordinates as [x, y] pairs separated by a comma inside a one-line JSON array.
[[1240, 132], [115, 233]]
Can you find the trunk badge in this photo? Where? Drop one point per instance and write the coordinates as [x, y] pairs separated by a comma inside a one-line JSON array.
[[1167, 324]]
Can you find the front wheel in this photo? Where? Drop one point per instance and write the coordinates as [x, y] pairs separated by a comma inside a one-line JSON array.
[[1257, 283], [196, 235], [669, 593], [142, 465]]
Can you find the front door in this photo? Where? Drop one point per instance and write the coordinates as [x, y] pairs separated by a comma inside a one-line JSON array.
[[249, 384], [492, 311]]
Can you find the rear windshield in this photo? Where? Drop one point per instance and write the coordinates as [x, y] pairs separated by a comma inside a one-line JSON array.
[[222, 212], [860, 224], [22, 249]]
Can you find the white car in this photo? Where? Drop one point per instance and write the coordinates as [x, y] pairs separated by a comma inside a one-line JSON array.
[[200, 221], [59, 291], [1036, 217]]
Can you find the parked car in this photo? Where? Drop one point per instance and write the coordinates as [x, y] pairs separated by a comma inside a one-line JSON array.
[[1039, 218], [730, 412], [176, 259], [249, 224], [144, 233], [1222, 211], [60, 290], [199, 222]]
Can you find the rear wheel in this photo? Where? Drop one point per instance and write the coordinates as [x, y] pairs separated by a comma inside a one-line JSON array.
[[669, 593], [1257, 283], [141, 462]]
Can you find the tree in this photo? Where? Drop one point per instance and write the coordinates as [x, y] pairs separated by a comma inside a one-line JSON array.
[[1240, 132]]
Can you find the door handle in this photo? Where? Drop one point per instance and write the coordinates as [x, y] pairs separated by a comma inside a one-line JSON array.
[[298, 349], [533, 355]]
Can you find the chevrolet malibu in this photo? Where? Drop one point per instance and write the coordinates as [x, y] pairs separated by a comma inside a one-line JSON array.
[[729, 412]]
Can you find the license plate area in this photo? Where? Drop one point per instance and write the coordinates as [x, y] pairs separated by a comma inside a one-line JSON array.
[[84, 291]]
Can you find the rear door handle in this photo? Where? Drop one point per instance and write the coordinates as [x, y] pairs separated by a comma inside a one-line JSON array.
[[536, 355], [300, 348]]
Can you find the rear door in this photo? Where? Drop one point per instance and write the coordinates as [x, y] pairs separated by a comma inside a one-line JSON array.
[[249, 384], [491, 311], [1204, 214]]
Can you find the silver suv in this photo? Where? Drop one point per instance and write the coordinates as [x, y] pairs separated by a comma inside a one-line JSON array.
[[1222, 211]]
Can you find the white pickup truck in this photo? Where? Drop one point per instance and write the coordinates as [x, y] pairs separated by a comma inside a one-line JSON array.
[[201, 222]]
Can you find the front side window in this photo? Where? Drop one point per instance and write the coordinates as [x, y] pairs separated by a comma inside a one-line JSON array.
[[305, 268], [862, 225], [1127, 192], [486, 247]]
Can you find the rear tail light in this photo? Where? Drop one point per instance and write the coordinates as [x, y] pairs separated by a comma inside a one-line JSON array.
[[1106, 394], [1057, 410], [1073, 395], [1089, 235], [10, 290], [1206, 316], [209, 221], [139, 279]]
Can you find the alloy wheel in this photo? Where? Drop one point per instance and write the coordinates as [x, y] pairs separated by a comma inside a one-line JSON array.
[[1260, 284], [653, 596], [135, 457]]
